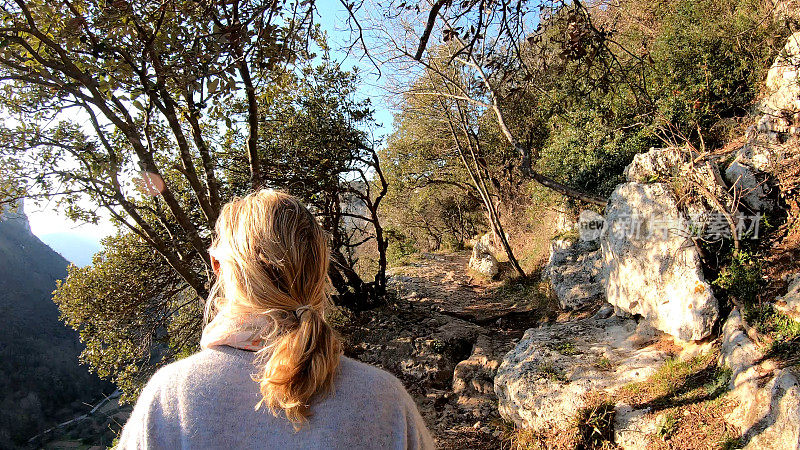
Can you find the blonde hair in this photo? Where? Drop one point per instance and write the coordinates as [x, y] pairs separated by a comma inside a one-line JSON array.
[[276, 265]]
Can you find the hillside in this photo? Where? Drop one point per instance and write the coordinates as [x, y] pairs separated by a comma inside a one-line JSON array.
[[40, 379]]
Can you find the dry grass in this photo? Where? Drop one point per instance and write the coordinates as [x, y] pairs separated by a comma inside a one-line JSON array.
[[591, 429], [688, 399], [530, 226]]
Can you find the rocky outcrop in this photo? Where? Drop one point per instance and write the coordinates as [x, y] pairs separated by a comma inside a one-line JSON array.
[[781, 106], [651, 266], [14, 213], [768, 410], [738, 352], [483, 261], [544, 380], [575, 272], [678, 164], [789, 304], [655, 164]]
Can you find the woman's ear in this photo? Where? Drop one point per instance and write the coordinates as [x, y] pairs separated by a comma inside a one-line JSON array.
[[215, 265]]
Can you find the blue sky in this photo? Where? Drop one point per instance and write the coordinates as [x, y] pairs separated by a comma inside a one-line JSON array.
[[64, 235]]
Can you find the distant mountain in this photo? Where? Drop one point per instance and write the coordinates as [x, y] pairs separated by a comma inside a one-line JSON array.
[[41, 381], [76, 248]]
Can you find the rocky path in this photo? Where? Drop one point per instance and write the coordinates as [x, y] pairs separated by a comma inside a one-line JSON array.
[[443, 283], [444, 333]]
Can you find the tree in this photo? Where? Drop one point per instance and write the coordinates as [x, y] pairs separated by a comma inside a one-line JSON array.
[[152, 80], [158, 113], [431, 202]]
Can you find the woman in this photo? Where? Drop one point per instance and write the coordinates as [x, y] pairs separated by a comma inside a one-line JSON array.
[[270, 373]]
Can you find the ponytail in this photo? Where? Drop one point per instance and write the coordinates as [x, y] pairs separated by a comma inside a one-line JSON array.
[[300, 364]]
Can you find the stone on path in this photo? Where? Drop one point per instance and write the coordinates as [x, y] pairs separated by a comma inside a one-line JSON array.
[[482, 260]]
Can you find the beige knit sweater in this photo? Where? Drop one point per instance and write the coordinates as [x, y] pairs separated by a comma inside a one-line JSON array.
[[207, 401]]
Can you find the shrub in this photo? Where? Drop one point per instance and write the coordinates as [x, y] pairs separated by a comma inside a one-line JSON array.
[[741, 277]]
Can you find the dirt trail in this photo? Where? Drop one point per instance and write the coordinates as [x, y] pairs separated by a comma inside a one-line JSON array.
[[442, 281], [438, 316]]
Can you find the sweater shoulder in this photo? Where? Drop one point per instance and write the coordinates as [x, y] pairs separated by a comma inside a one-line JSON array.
[[357, 370], [370, 380], [202, 368]]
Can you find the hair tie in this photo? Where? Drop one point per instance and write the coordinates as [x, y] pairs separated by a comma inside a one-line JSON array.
[[298, 313]]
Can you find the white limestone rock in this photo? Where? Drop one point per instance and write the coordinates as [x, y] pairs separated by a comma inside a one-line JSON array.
[[782, 103], [542, 382], [575, 271], [768, 398], [761, 156], [651, 267], [752, 188], [483, 261], [654, 164], [678, 166], [738, 351]]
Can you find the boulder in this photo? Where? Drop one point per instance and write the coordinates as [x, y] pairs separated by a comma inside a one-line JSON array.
[[575, 270], [656, 163], [738, 352], [543, 382], [650, 264], [762, 157], [752, 188], [483, 261], [789, 304], [682, 169], [491, 244], [664, 164]]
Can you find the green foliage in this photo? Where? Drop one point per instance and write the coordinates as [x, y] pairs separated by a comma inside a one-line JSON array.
[[692, 380], [571, 235], [666, 424], [429, 201], [133, 312], [400, 247], [783, 331], [741, 277], [603, 363], [681, 77], [564, 347], [552, 372]]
